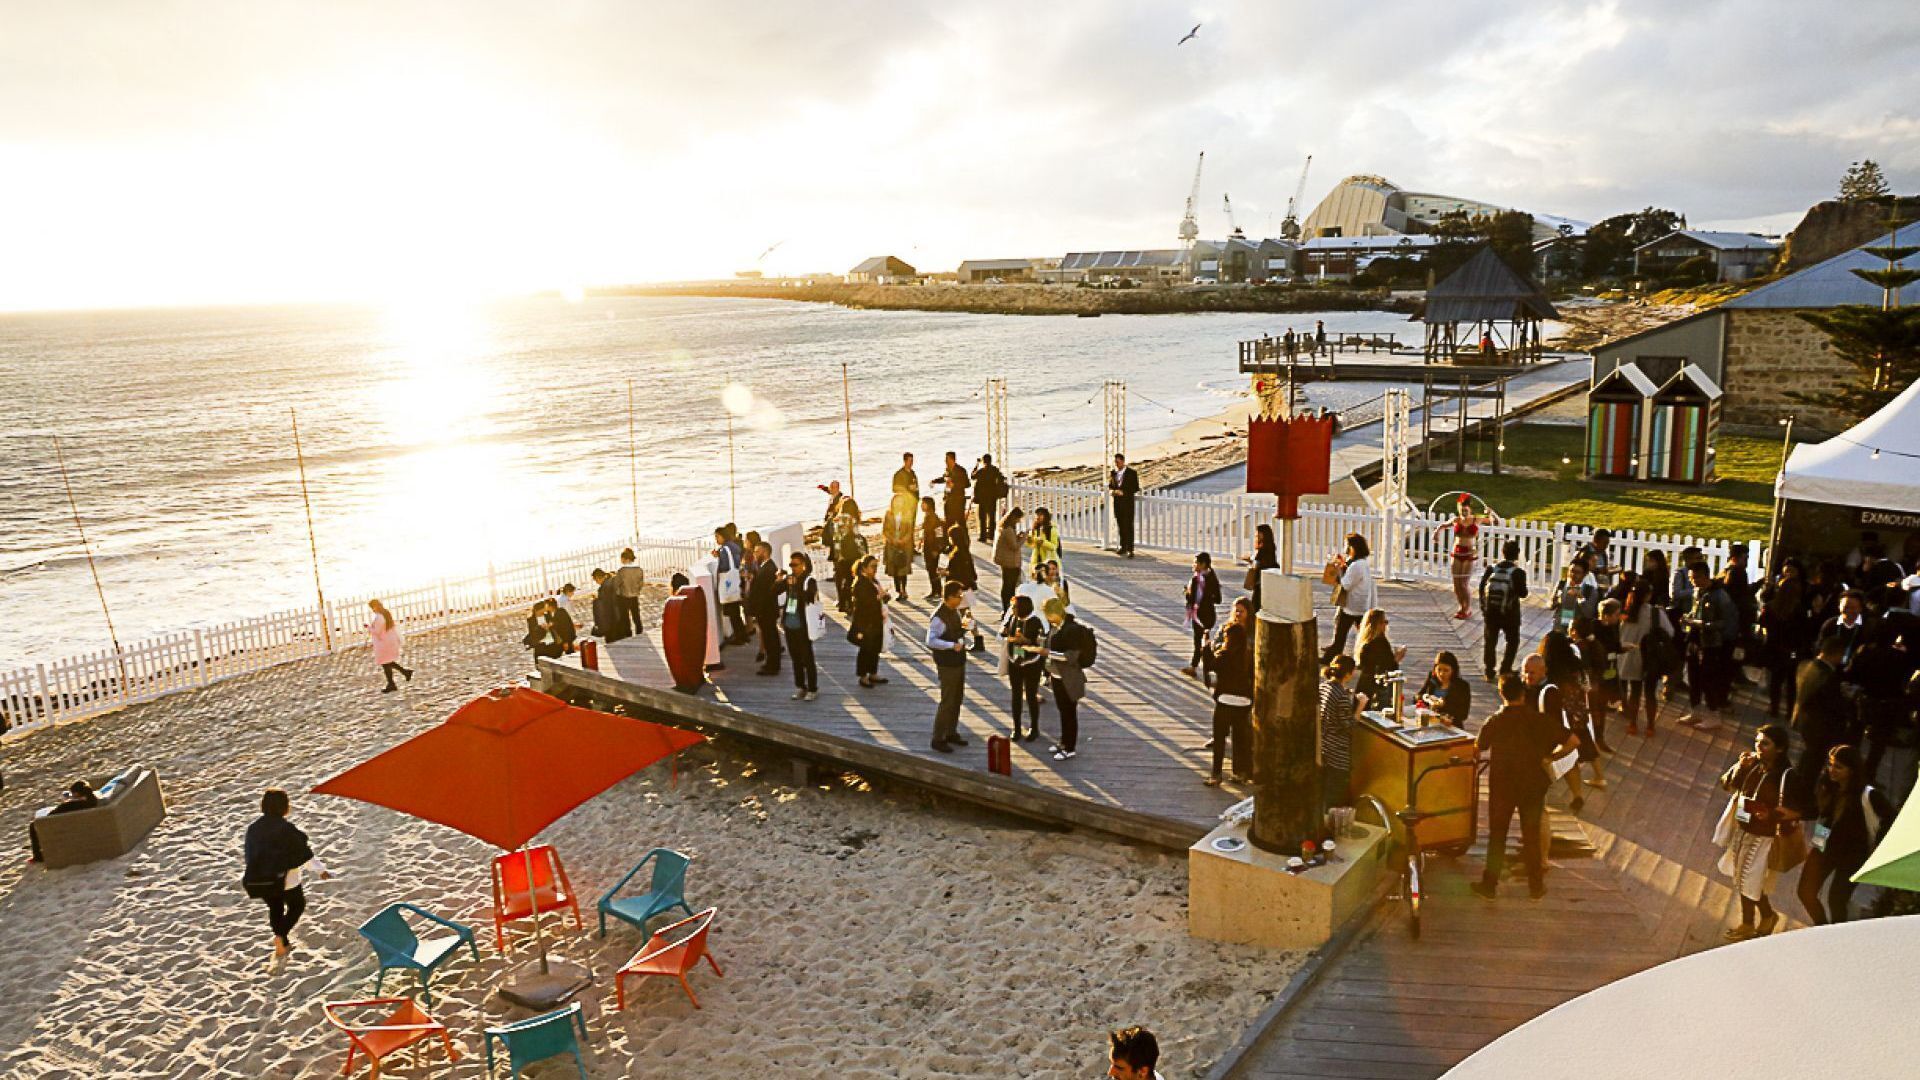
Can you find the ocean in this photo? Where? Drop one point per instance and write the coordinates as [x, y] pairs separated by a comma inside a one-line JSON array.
[[438, 437]]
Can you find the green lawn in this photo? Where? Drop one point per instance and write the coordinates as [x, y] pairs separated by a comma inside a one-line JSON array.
[[1739, 506]]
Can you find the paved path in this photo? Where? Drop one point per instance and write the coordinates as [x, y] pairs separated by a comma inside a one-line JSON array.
[[1360, 446], [1394, 1008]]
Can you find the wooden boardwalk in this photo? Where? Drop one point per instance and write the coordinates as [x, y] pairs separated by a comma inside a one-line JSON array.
[[1143, 725], [1393, 1008]]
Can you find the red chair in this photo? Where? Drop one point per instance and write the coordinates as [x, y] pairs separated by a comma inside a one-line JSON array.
[[672, 950], [515, 898], [405, 1026]]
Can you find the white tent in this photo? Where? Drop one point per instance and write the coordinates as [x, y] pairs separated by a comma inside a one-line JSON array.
[[1874, 464]]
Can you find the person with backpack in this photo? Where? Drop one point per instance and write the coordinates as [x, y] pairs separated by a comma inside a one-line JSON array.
[[1849, 814], [1576, 597], [1202, 601], [1502, 587], [1712, 628], [1648, 651], [1071, 650]]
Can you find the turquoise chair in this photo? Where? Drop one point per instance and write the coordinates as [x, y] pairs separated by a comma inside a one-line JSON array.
[[396, 945], [548, 1035], [666, 891]]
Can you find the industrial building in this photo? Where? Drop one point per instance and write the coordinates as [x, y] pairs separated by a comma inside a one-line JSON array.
[[1164, 264], [1366, 205], [882, 270], [1001, 271], [1330, 258], [1735, 256]]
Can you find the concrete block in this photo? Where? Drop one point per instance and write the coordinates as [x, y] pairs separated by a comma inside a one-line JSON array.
[[1247, 897]]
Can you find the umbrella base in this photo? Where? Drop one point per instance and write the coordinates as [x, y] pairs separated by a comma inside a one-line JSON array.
[[563, 981]]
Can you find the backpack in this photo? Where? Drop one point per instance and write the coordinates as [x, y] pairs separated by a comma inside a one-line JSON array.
[[1090, 648], [1498, 598]]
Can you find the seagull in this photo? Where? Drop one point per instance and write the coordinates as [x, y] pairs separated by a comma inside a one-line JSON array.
[[1191, 34]]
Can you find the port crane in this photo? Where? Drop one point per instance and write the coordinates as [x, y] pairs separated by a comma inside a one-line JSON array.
[[1290, 225], [1233, 227], [1189, 225]]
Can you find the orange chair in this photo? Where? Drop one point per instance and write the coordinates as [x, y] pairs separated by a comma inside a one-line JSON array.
[[405, 1026], [672, 950], [514, 898]]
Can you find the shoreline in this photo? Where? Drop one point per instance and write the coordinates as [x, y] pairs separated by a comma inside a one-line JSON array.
[[1057, 300]]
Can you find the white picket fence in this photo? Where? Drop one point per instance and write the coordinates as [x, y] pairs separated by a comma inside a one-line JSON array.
[[1405, 545], [92, 683]]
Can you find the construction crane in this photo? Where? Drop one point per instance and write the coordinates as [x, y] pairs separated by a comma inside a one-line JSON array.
[[1233, 227], [1290, 225], [1189, 225]]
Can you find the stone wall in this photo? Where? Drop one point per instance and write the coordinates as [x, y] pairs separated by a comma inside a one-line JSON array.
[[1771, 355]]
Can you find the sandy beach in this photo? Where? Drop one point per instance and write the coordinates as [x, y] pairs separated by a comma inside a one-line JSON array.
[[864, 933]]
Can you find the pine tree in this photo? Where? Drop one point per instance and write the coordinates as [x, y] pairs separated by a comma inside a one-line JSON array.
[[1882, 343], [1863, 181]]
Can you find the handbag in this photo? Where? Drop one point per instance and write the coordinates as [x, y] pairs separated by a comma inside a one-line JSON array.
[[1252, 579], [729, 586], [1723, 829], [816, 621], [1789, 848], [1330, 573], [1340, 596]]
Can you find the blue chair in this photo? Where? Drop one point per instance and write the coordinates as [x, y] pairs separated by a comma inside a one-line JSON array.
[[666, 891], [396, 945], [544, 1036]]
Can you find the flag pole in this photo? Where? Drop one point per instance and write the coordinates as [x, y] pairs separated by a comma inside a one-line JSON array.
[[846, 416], [86, 547], [313, 544], [633, 465], [733, 495]]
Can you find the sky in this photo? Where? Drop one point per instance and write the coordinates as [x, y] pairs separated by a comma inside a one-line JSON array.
[[158, 152]]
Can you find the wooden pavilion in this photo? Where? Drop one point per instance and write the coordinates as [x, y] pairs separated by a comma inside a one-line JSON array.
[[1484, 313]]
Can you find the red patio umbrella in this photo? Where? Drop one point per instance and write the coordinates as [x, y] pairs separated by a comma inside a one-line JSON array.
[[506, 765]]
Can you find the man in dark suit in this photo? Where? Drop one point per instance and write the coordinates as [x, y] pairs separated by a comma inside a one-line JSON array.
[[953, 505], [1123, 483], [1853, 626], [1821, 712], [989, 487], [1518, 741], [763, 607]]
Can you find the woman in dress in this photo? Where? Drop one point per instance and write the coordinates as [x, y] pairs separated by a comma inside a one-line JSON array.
[[1025, 636], [1043, 539], [1850, 815], [1647, 648], [799, 591], [1378, 656], [1232, 667], [276, 852], [386, 644], [1752, 823], [1338, 706], [1446, 693], [868, 630]]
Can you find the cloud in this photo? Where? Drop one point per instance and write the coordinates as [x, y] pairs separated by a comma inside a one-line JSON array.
[[193, 150]]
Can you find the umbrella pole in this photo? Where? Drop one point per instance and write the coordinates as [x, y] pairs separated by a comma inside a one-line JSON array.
[[533, 901]]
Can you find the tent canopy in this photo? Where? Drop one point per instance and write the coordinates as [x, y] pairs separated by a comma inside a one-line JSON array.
[[1844, 471]]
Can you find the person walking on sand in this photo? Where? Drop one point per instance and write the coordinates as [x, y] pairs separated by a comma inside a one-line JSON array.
[[799, 593], [933, 541], [1202, 597], [628, 583], [1517, 742], [1006, 555], [277, 855], [386, 636], [1069, 654], [763, 607], [989, 487], [954, 502], [1123, 483], [946, 638], [1025, 636], [868, 630]]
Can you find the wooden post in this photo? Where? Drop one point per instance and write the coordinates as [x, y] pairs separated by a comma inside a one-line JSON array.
[[846, 416], [1286, 716]]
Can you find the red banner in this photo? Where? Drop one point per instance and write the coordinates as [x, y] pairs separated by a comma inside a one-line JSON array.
[[1289, 458]]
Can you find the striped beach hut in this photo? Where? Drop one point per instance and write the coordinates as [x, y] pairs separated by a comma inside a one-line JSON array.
[[1615, 408], [1685, 421]]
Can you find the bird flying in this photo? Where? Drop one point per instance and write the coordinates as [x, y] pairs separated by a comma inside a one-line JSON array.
[[1191, 34]]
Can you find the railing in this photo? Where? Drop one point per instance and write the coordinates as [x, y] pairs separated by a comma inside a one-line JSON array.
[[1405, 544], [91, 683]]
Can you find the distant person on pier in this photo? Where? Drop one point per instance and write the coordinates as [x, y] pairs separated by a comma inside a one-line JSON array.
[[896, 542], [1355, 592], [1043, 538], [954, 502], [1291, 344], [1123, 483], [386, 636], [1320, 338], [933, 543], [1025, 636], [630, 581], [1502, 586], [763, 607], [609, 615], [798, 593], [868, 626], [989, 487], [1007, 555], [1070, 651], [960, 570], [947, 639], [1202, 596]]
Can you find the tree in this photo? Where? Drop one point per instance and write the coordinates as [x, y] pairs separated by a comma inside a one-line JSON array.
[[1882, 343], [1610, 244], [1863, 181]]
